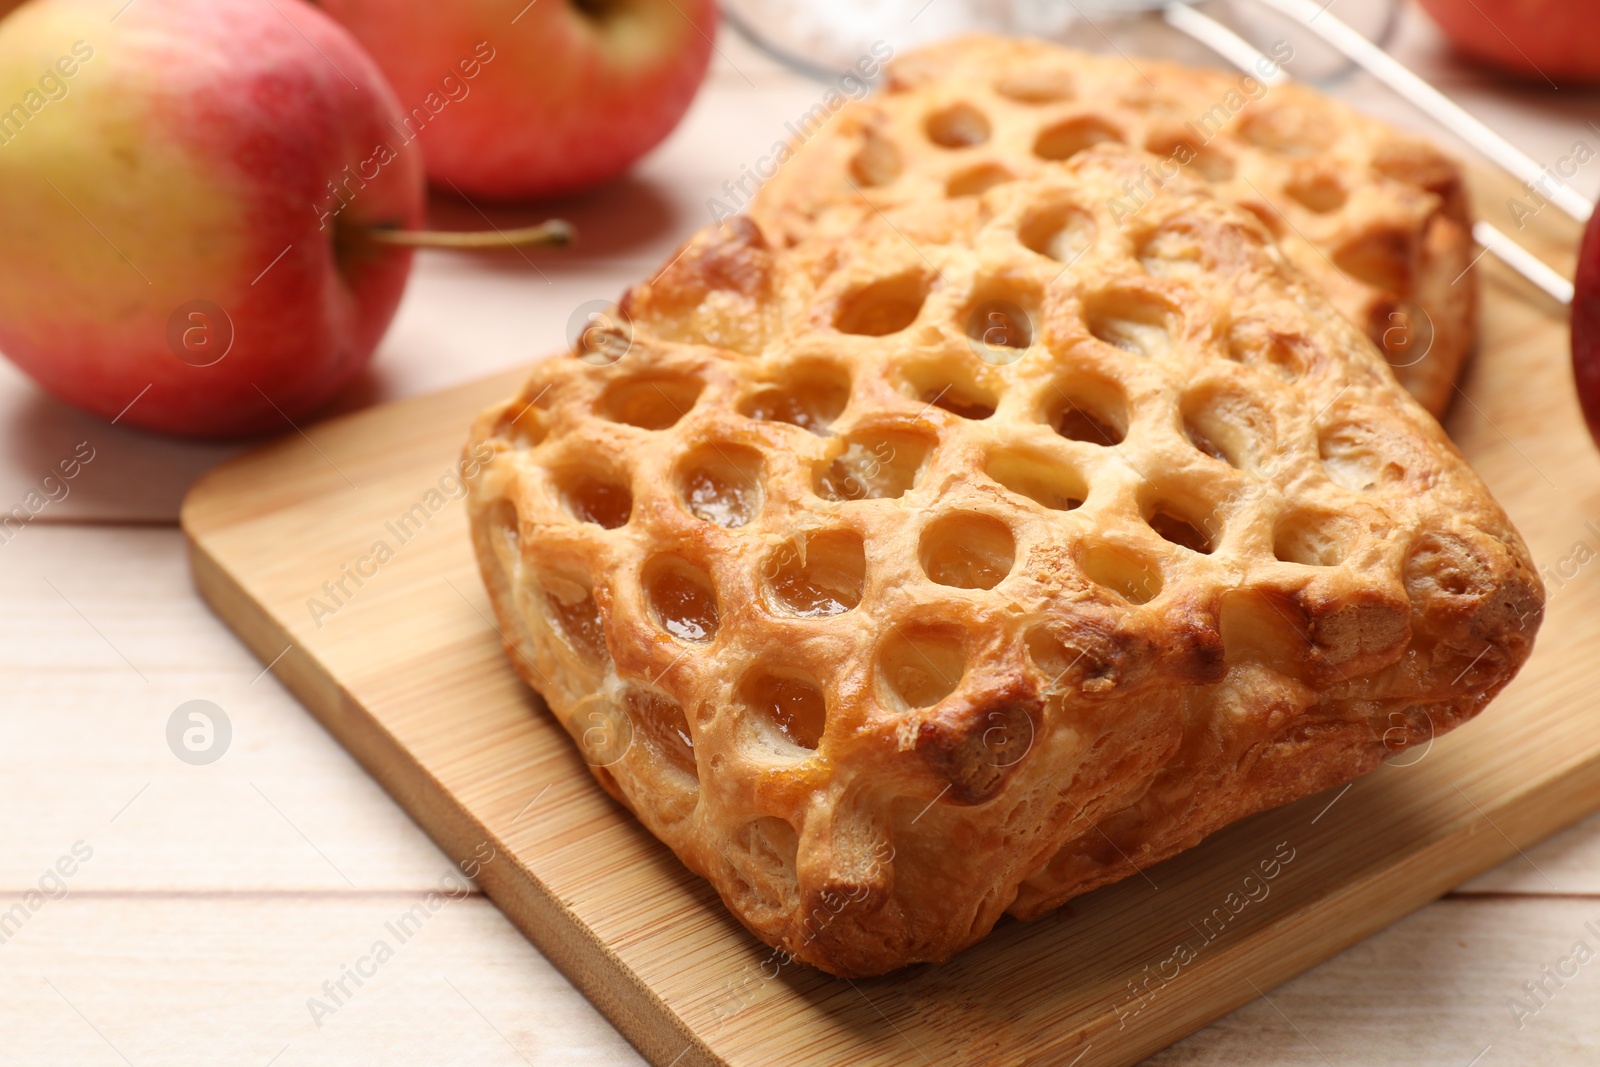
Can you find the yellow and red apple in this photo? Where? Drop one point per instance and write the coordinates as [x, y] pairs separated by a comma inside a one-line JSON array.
[[186, 187], [512, 99]]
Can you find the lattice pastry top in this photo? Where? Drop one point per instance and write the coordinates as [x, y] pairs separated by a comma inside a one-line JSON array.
[[1379, 218], [887, 631]]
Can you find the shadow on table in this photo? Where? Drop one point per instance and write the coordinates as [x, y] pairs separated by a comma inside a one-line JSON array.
[[128, 476], [623, 218]]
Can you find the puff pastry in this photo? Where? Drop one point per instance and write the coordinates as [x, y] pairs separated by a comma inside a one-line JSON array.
[[889, 625], [1378, 218]]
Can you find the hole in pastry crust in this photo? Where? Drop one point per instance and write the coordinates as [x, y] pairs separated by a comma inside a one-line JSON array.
[[1174, 524], [968, 551], [681, 598], [876, 162], [957, 126], [952, 387], [1265, 214], [810, 396], [1063, 232], [790, 704], [661, 719], [975, 181], [958, 401], [886, 306], [1085, 409], [1124, 573], [1381, 259], [1287, 130], [1036, 85], [1353, 455], [917, 668], [1257, 344], [576, 618], [1313, 538], [721, 484], [588, 496], [875, 465], [1320, 193], [1078, 423], [1227, 426], [1130, 320], [1039, 478], [650, 403], [1066, 139], [1209, 164], [819, 577], [1000, 321]]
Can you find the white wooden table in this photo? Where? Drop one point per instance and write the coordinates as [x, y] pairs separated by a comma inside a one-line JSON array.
[[216, 901]]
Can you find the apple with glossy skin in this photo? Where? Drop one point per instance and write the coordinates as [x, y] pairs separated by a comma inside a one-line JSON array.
[[1544, 40], [1586, 326], [186, 192], [514, 100]]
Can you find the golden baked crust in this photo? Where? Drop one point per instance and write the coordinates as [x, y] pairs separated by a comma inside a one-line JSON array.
[[887, 629], [1379, 218]]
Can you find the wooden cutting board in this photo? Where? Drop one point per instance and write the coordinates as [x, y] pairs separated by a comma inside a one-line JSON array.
[[394, 650]]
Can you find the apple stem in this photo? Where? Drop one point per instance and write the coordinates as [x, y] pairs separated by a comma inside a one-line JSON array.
[[556, 233]]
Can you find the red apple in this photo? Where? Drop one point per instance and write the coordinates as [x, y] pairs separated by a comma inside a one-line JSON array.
[[1547, 40], [1586, 326], [185, 191], [512, 99]]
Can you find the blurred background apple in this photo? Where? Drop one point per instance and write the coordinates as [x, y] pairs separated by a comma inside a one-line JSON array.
[[1586, 326], [186, 191], [1556, 40], [513, 100]]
